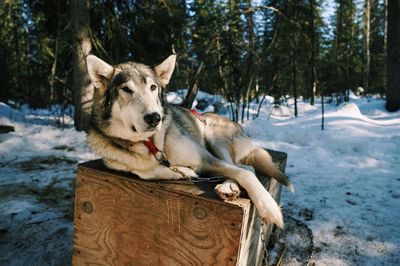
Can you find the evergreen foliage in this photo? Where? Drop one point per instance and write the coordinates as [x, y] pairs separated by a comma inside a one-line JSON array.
[[241, 49]]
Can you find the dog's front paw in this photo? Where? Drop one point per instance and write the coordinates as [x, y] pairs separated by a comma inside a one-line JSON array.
[[269, 210], [228, 191]]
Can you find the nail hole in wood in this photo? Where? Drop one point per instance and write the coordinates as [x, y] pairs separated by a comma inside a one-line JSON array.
[[200, 213], [87, 207]]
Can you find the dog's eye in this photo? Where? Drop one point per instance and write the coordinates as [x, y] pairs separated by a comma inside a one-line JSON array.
[[127, 90], [153, 87]]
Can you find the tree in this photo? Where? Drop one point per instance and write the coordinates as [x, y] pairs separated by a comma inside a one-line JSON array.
[[13, 41], [205, 24], [312, 65], [294, 50], [393, 56], [347, 54], [367, 38], [83, 89], [270, 58], [237, 48], [377, 67]]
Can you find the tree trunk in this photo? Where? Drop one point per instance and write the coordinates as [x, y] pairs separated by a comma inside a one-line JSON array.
[[83, 89], [338, 61], [53, 71], [313, 85], [294, 77], [194, 88], [251, 60], [385, 3], [294, 59], [385, 6], [322, 112], [393, 57], [17, 51], [349, 63], [367, 33]]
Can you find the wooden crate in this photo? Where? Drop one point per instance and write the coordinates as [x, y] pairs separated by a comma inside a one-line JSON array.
[[123, 220]]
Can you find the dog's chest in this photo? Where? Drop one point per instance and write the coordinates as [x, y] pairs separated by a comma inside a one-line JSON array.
[[140, 149], [182, 150]]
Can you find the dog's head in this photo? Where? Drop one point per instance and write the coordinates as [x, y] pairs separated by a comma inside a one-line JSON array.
[[128, 96]]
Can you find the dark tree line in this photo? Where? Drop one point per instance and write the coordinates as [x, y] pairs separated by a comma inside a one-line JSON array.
[[393, 56], [234, 48]]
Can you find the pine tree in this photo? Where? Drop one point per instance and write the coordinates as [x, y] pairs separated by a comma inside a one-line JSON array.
[[346, 52], [393, 57], [83, 89], [205, 23], [367, 41], [377, 48], [13, 41], [313, 50]]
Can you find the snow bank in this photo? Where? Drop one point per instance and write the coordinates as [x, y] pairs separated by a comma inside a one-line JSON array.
[[347, 175], [8, 114]]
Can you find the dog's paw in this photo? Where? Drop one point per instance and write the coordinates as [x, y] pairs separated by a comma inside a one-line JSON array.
[[228, 191], [269, 210]]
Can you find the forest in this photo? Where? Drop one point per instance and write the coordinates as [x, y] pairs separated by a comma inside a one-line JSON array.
[[240, 49]]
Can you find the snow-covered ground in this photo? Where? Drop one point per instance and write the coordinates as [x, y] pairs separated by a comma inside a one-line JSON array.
[[37, 171], [347, 181], [347, 178]]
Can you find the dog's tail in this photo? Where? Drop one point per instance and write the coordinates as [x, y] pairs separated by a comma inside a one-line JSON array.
[[262, 162]]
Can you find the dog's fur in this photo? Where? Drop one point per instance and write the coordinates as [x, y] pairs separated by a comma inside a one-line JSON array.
[[128, 92]]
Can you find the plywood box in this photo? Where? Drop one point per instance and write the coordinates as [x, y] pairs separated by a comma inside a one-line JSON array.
[[123, 220]]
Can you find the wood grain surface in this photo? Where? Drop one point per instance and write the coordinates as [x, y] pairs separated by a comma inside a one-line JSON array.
[[119, 222], [252, 245], [123, 220]]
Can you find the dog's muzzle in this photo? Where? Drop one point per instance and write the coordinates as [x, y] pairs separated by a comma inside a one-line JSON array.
[[152, 119]]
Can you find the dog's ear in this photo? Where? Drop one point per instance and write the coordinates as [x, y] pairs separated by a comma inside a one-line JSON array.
[[99, 71], [165, 69]]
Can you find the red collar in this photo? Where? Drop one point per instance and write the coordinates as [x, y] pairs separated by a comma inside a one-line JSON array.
[[159, 155], [198, 115]]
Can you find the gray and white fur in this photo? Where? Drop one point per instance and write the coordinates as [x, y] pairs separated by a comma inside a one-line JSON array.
[[128, 109]]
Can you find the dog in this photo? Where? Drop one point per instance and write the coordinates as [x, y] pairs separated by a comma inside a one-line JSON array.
[[134, 130]]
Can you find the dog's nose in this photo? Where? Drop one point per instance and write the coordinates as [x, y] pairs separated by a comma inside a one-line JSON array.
[[152, 119]]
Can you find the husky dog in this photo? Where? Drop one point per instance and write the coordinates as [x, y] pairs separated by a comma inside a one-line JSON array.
[[134, 130]]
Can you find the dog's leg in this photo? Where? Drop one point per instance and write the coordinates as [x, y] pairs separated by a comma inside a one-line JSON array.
[[161, 172], [262, 162], [266, 206], [229, 190]]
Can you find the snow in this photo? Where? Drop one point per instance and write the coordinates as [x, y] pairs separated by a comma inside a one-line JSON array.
[[37, 170], [347, 179], [348, 175]]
